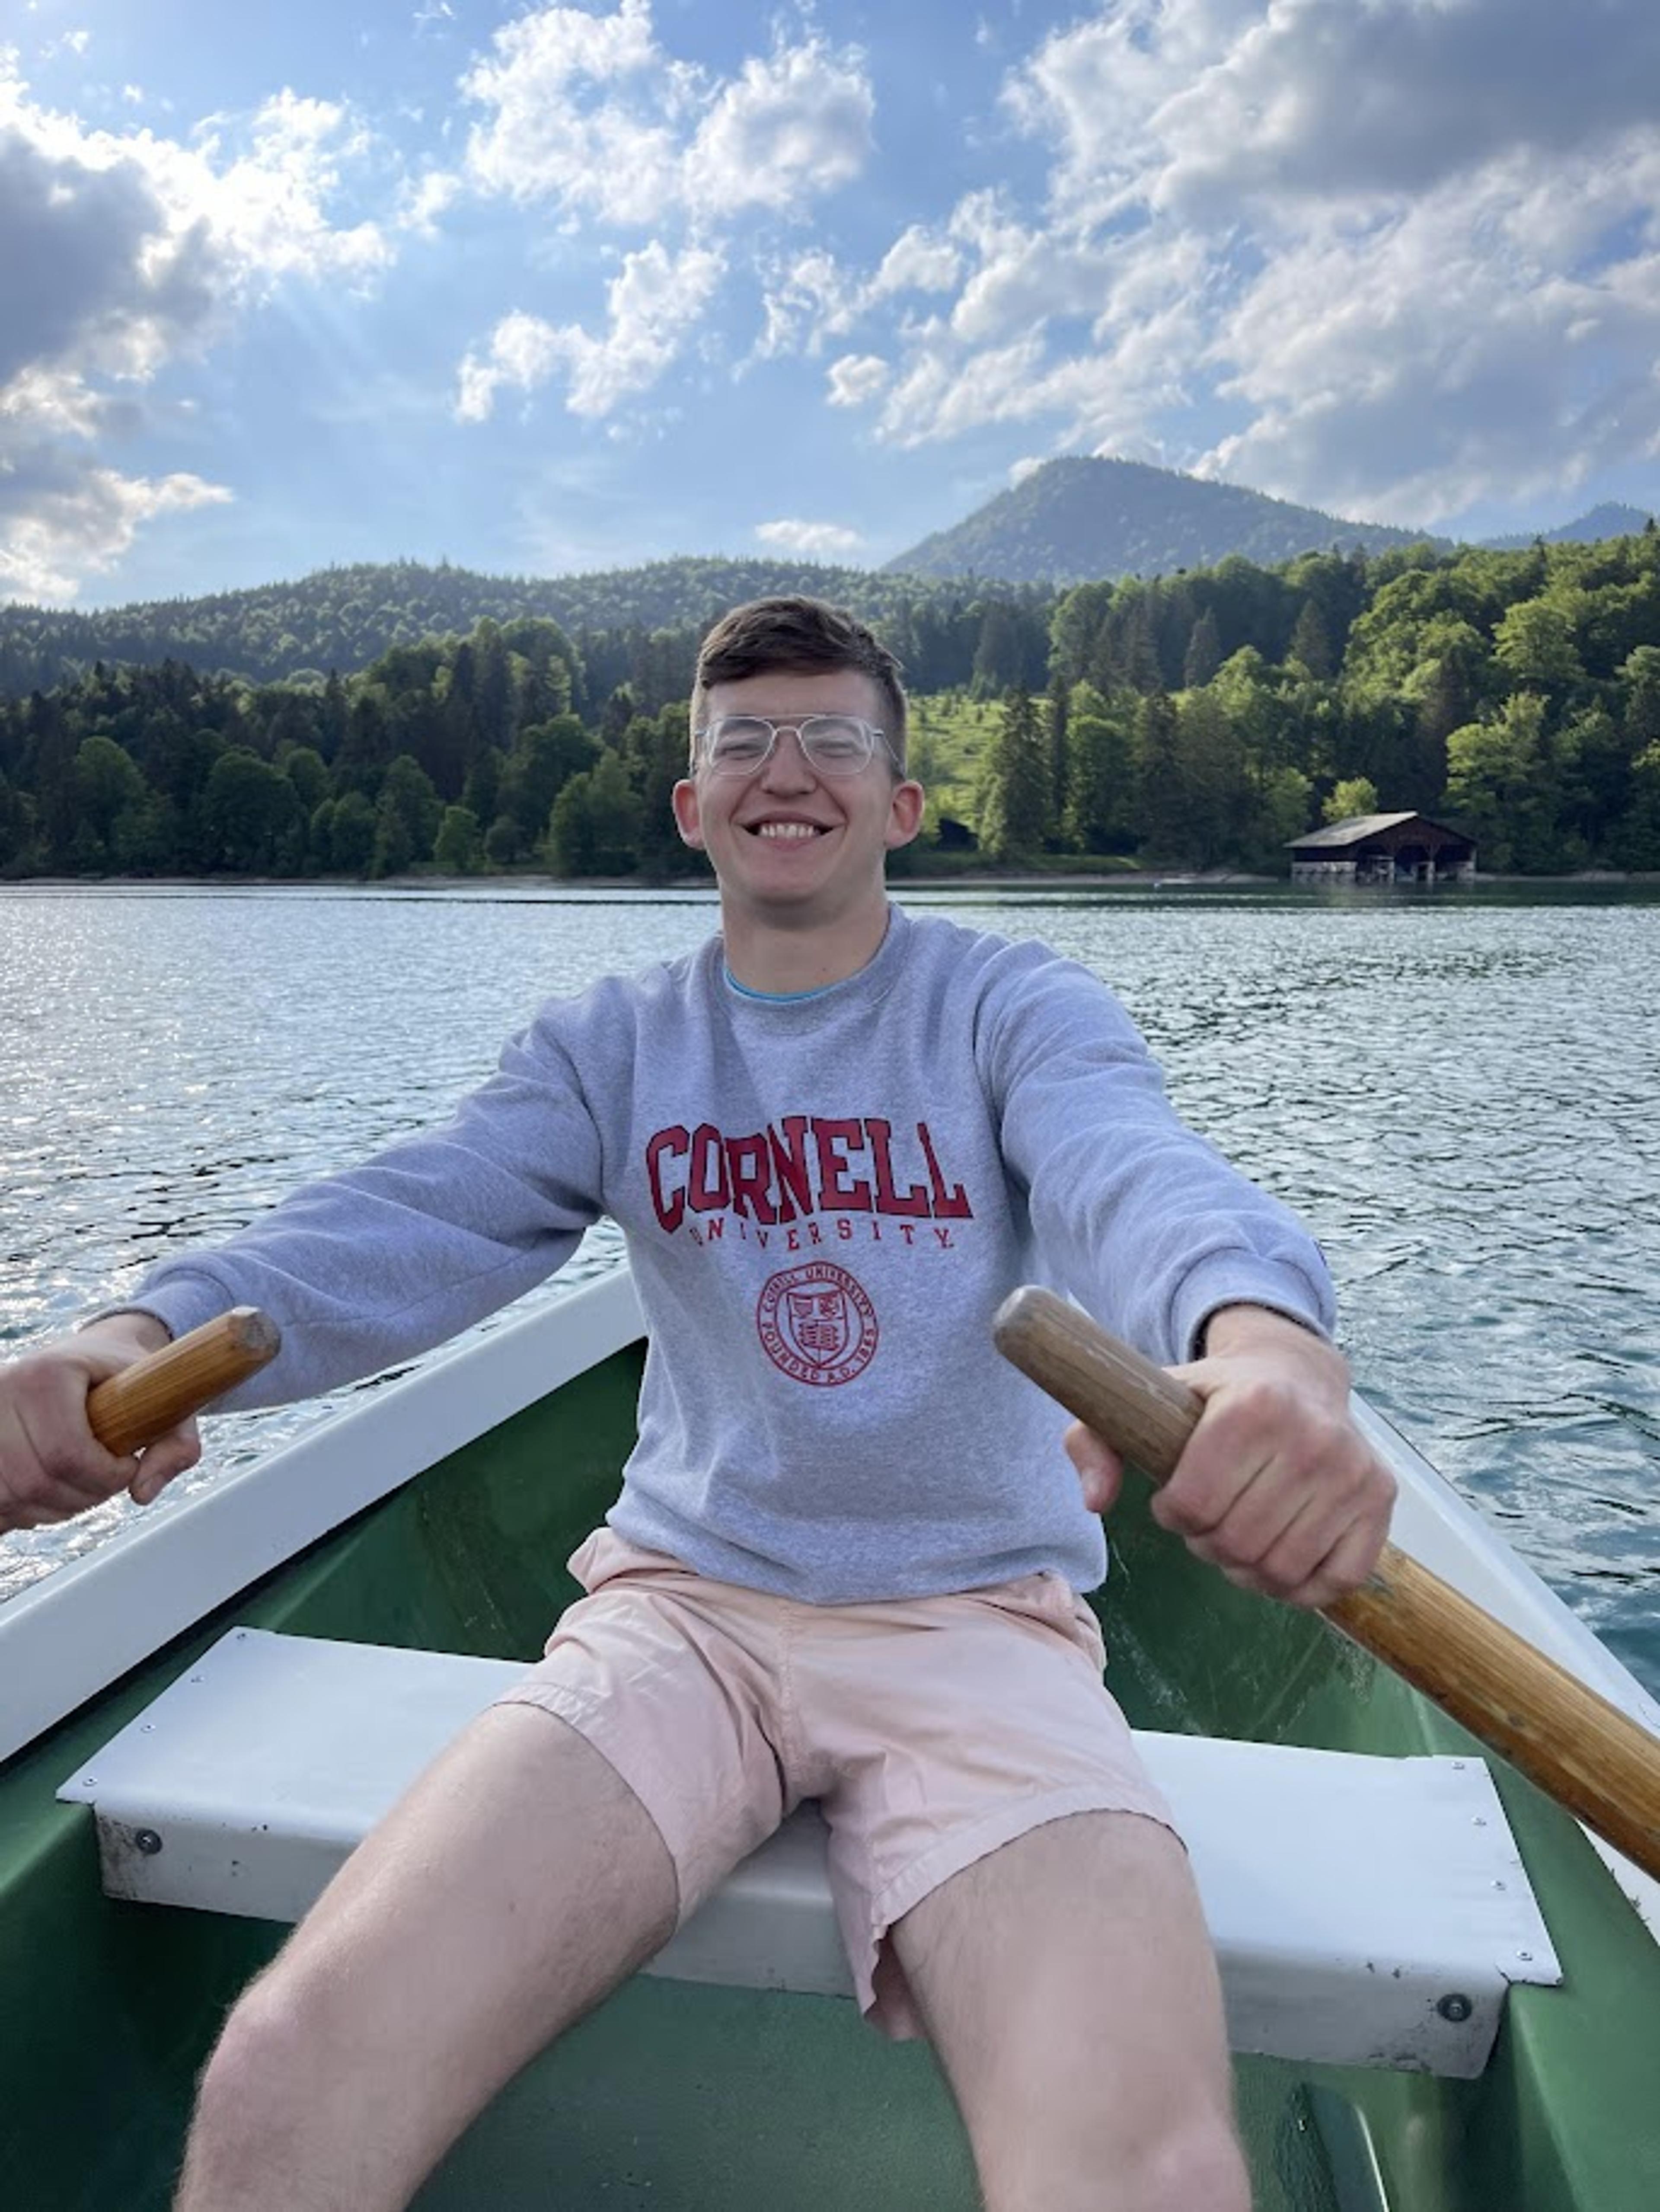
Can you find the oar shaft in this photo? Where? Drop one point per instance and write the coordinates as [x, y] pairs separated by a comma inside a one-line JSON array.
[[143, 1402], [1581, 1750]]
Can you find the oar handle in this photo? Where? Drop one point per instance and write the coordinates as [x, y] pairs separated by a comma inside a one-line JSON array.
[[130, 1410], [1599, 1762]]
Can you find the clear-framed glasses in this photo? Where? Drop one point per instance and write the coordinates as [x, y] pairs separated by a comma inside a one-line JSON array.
[[833, 745]]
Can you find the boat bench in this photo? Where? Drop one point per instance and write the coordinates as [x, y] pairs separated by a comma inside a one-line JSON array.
[[1365, 1911]]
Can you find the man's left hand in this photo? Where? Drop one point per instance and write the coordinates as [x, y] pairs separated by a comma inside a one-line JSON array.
[[1275, 1486]]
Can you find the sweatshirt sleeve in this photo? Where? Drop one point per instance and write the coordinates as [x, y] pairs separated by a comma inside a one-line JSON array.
[[384, 1261], [1146, 1223]]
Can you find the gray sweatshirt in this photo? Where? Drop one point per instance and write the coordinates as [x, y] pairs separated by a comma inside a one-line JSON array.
[[824, 1200]]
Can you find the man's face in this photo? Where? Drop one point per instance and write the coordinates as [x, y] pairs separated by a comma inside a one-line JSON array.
[[787, 840]]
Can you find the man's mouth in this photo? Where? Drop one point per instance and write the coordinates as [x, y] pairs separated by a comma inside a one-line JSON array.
[[786, 832]]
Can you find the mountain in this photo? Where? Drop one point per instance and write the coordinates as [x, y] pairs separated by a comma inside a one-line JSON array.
[[1611, 519], [1076, 520]]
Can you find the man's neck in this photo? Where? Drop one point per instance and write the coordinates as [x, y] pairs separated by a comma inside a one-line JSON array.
[[779, 960]]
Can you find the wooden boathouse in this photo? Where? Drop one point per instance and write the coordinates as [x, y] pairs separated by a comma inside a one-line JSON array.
[[1383, 848]]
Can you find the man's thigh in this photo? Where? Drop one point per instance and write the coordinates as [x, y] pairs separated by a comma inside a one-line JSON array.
[[515, 1883], [1067, 1984]]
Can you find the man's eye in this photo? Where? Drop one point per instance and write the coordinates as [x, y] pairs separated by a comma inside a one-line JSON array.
[[841, 740], [745, 743]]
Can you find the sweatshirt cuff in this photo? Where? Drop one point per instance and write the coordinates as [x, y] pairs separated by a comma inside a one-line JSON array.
[[180, 1305], [1240, 1280]]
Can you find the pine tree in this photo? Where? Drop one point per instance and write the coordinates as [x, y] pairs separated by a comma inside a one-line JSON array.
[[1310, 643], [1160, 807], [1204, 651], [1016, 814]]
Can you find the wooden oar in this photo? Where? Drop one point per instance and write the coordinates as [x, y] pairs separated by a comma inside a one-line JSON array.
[[143, 1402], [1586, 1754]]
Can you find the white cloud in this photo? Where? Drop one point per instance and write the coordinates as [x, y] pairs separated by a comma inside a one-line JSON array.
[[122, 254], [588, 112], [857, 379], [426, 198], [1465, 344], [524, 352], [917, 262], [268, 208], [790, 129], [1026, 277], [1395, 259], [806, 302], [942, 394], [1320, 98], [82, 523], [651, 305], [548, 137], [813, 541]]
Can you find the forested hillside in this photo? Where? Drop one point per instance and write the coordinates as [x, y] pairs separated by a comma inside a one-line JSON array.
[[344, 618], [1200, 720]]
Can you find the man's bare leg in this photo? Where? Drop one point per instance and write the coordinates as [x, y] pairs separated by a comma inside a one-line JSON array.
[[1068, 1985], [518, 1881]]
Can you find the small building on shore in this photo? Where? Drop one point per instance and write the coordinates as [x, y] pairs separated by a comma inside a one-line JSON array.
[[1383, 848]]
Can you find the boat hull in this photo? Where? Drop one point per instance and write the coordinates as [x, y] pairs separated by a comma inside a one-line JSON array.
[[675, 2095]]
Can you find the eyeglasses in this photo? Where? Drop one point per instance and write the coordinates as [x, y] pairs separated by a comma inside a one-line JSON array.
[[833, 745]]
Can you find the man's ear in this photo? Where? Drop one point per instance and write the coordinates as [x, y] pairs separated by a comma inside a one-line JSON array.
[[905, 811], [687, 818]]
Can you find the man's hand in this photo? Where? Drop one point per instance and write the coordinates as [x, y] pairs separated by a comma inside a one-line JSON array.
[[51, 1466], [1277, 1486]]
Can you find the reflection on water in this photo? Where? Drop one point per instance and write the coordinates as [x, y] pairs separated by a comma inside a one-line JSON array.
[[1459, 1094]]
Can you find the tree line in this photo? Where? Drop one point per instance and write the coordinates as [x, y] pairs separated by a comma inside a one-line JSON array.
[[1203, 719]]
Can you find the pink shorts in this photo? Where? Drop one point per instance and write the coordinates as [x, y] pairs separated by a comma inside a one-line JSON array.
[[930, 1730]]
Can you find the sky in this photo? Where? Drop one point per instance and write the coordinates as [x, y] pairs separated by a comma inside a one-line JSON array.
[[540, 290]]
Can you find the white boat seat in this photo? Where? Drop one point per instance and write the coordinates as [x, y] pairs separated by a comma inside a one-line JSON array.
[[1365, 1911]]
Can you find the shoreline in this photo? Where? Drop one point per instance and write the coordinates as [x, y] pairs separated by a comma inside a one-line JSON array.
[[1137, 879]]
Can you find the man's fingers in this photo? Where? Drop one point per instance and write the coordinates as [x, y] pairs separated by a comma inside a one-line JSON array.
[[167, 1457], [1347, 1566], [1100, 1470]]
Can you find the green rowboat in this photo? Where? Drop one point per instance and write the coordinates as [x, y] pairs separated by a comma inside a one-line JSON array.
[[1386, 2063]]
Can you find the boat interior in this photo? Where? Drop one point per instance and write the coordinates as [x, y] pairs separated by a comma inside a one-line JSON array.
[[740, 2075]]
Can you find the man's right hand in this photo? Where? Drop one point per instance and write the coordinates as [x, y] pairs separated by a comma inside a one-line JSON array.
[[51, 1466]]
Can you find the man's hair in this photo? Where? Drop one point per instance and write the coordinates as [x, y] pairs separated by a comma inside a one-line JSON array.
[[800, 636]]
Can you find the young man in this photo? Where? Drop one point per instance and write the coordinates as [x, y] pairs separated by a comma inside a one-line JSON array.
[[836, 1137]]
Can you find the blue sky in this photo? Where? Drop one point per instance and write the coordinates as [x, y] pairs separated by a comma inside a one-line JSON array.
[[547, 289]]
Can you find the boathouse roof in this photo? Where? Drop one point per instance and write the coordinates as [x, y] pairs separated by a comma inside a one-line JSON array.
[[1362, 828]]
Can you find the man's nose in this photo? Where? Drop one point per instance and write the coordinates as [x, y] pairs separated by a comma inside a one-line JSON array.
[[787, 765]]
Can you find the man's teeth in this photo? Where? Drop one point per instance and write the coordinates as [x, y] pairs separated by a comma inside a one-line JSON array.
[[787, 829]]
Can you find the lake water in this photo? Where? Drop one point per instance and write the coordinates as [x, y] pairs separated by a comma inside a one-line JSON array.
[[1459, 1092]]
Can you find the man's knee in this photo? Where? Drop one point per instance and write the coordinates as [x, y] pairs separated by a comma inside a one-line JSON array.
[[267, 2050], [250, 2101], [1194, 2165], [1199, 2169]]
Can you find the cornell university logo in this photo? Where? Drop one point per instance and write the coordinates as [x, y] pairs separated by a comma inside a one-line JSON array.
[[817, 1323]]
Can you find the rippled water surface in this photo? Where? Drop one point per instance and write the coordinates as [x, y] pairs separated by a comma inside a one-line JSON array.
[[1461, 1095]]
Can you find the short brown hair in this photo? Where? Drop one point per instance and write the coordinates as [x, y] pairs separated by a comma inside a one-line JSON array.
[[801, 636]]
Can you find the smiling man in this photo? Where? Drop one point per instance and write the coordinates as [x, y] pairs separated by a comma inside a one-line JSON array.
[[798, 790], [849, 1558]]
